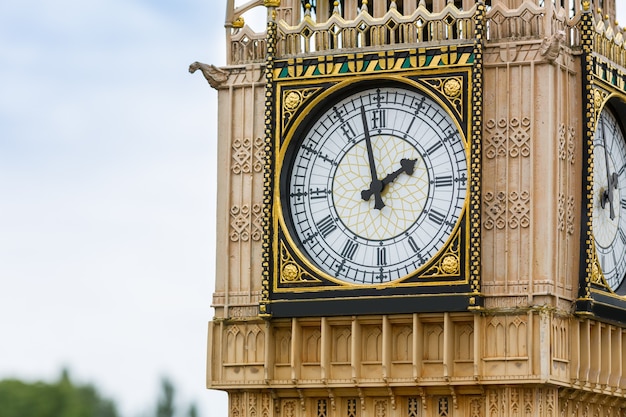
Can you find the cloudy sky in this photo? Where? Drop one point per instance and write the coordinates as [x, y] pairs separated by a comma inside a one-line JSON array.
[[107, 186]]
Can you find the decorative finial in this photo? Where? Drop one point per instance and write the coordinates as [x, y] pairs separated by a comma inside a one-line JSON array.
[[271, 3], [422, 3], [307, 10], [238, 23], [364, 6], [393, 5], [336, 7]]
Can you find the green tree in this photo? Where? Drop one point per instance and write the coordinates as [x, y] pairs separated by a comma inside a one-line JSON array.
[[59, 399], [193, 411], [165, 405]]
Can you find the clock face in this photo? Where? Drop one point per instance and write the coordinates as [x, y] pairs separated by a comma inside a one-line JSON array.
[[375, 185], [609, 198]]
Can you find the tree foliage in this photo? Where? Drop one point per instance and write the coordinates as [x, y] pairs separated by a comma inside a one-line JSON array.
[[165, 406], [59, 399]]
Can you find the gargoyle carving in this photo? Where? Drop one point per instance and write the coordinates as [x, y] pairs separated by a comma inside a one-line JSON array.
[[551, 47], [213, 75]]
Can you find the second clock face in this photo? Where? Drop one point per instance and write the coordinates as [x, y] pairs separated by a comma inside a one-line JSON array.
[[609, 198], [375, 185]]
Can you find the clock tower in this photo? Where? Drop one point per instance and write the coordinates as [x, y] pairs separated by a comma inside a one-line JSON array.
[[421, 209]]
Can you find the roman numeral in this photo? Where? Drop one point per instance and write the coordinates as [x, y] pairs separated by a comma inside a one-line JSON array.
[[326, 226], [413, 245], [408, 129], [434, 148], [381, 258], [347, 130], [622, 236], [349, 249], [436, 217], [379, 118], [445, 181], [318, 194], [623, 204]]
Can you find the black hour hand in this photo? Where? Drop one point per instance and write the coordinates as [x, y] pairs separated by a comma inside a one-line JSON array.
[[406, 165]]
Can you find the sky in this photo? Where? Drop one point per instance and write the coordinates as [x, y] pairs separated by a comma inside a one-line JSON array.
[[107, 195]]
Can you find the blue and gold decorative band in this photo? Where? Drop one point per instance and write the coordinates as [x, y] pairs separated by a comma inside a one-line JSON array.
[[363, 63]]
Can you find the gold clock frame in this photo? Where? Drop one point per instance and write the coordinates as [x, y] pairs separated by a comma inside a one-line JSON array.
[[603, 82], [291, 280]]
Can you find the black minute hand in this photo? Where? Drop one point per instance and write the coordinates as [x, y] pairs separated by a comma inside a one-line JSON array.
[[376, 186], [611, 179]]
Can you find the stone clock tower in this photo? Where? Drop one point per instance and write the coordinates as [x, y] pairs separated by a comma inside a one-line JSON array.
[[421, 210]]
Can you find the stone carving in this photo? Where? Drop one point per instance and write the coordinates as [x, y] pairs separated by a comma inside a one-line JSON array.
[[312, 345], [433, 342], [464, 339], [255, 345], [351, 409], [380, 408], [507, 137], [571, 145], [252, 403], [509, 336], [248, 155], [502, 209], [560, 338], [413, 407], [551, 47], [265, 405], [289, 408], [235, 344], [443, 407], [215, 76], [322, 408], [506, 302], [567, 143], [372, 343], [246, 223], [283, 346], [403, 345], [342, 337], [562, 152], [570, 214], [242, 311], [235, 404], [561, 212]]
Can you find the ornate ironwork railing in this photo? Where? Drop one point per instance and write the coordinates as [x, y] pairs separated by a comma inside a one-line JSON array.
[[608, 41], [451, 24], [527, 22]]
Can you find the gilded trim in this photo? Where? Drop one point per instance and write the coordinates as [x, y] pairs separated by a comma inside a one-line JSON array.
[[476, 156], [270, 127]]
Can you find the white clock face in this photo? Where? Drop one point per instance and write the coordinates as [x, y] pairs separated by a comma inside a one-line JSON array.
[[609, 198], [377, 184]]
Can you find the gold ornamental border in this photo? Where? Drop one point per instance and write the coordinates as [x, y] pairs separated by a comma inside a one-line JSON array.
[[603, 94], [603, 81], [290, 101]]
